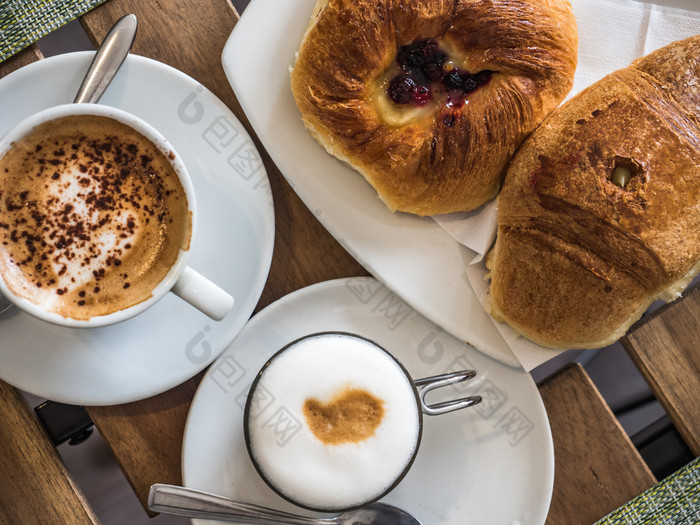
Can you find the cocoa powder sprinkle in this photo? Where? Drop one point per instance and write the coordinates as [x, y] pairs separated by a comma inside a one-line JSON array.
[[86, 199]]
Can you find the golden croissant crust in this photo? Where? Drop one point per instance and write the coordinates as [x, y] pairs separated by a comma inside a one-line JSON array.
[[600, 209], [447, 153]]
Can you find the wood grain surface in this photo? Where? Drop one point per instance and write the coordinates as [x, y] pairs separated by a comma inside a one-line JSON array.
[[597, 468], [21, 59], [192, 39], [666, 349], [146, 437], [34, 484]]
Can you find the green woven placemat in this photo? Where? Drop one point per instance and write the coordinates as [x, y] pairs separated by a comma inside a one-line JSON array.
[[23, 22], [673, 501]]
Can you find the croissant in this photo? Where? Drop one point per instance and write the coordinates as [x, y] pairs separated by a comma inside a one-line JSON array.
[[599, 214], [429, 99]]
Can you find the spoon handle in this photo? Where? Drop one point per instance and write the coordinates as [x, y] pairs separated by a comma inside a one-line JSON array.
[[182, 501], [107, 60]]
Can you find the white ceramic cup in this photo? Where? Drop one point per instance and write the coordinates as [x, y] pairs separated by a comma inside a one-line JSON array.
[[180, 279]]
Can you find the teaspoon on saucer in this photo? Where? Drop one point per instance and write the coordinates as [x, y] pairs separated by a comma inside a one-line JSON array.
[[183, 501], [107, 61]]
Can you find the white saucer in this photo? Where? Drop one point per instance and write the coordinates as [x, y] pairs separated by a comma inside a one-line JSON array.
[[493, 463], [172, 341]]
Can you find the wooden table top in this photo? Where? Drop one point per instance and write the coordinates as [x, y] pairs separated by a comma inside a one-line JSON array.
[[597, 467]]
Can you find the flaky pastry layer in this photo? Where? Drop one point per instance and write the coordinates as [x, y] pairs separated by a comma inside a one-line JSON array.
[[600, 209]]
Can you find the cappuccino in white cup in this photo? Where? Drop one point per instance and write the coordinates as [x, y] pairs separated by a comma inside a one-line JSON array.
[[97, 214]]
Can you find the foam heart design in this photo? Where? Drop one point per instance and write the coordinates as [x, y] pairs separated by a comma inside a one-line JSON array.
[[351, 416]]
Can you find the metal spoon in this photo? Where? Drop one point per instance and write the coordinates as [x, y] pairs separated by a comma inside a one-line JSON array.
[[182, 501], [108, 59], [105, 64]]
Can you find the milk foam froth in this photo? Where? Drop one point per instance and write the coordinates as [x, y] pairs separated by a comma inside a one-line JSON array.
[[309, 470], [92, 216], [84, 257]]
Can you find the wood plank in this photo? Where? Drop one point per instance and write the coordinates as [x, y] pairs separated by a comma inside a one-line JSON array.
[[146, 437], [46, 493], [597, 468], [188, 36], [35, 486], [665, 346], [26, 56], [204, 30]]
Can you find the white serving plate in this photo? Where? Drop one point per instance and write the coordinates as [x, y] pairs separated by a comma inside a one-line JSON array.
[[413, 256]]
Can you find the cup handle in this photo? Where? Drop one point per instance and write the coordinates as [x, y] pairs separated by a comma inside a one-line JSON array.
[[431, 383], [203, 294]]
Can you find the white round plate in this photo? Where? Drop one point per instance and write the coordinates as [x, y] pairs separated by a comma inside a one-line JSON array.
[[171, 341], [493, 463]]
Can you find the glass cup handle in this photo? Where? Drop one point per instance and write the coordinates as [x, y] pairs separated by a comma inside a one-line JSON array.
[[428, 384], [203, 294]]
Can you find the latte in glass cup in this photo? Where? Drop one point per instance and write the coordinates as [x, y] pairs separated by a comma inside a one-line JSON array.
[[332, 422]]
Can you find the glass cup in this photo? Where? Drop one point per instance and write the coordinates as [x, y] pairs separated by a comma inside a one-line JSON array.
[[333, 421]]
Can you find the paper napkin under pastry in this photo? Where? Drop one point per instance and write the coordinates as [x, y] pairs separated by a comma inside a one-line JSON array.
[[612, 33]]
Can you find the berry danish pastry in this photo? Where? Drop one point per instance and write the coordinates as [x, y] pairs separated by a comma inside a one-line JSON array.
[[429, 99]]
